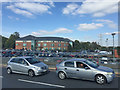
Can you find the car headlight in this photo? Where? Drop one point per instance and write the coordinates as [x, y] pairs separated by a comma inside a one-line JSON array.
[[109, 73], [37, 68]]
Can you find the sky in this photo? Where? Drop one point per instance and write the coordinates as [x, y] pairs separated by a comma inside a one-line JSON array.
[[88, 20]]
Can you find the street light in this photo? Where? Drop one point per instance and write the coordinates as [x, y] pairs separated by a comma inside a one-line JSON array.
[[107, 44], [113, 34]]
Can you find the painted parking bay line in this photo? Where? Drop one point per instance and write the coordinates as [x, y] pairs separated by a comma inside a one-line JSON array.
[[41, 83]]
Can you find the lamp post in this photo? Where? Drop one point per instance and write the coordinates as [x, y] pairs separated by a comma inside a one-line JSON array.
[[107, 44], [113, 34]]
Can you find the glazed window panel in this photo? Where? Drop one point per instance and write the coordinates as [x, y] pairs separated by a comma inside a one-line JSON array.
[[38, 45], [59, 45], [45, 44], [24, 44]]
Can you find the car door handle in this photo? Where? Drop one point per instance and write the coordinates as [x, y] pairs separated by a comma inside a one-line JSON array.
[[77, 70], [65, 68]]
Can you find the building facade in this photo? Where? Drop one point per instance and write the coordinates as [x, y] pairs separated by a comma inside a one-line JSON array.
[[42, 43]]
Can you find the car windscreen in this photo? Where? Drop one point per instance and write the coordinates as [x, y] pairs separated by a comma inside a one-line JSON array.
[[32, 60], [94, 65]]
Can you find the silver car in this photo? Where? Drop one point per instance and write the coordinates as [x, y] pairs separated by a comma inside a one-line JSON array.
[[84, 69], [26, 65]]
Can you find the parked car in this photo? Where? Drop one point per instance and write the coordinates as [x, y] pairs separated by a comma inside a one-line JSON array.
[[84, 69], [26, 65]]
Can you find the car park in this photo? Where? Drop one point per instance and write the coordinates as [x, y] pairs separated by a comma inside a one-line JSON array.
[[26, 65], [84, 69]]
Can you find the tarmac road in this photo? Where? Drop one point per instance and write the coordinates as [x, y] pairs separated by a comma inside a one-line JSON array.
[[49, 80]]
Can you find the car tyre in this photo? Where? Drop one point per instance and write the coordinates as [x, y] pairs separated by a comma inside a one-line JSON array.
[[100, 79], [31, 73], [62, 75], [9, 71]]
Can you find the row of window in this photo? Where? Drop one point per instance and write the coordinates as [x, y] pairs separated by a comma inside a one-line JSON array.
[[52, 41], [54, 48], [78, 64], [49, 41], [52, 45]]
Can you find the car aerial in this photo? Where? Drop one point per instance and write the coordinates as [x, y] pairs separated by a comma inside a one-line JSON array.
[[84, 69], [26, 65]]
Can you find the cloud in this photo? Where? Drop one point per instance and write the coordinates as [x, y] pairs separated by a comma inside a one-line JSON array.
[[70, 9], [87, 27], [30, 9], [16, 18], [111, 33], [110, 23], [96, 8], [57, 31], [19, 11], [25, 1]]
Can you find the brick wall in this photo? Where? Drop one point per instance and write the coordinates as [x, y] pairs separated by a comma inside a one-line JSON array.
[[20, 45], [28, 45], [116, 54]]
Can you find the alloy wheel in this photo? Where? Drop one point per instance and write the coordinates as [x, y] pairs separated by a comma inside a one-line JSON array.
[[62, 75], [100, 79], [31, 73], [9, 71]]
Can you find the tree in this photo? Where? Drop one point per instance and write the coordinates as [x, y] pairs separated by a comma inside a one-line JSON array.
[[10, 43], [70, 48], [2, 40], [118, 50], [76, 45]]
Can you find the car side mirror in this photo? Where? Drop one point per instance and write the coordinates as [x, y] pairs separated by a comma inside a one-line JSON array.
[[27, 64], [87, 68]]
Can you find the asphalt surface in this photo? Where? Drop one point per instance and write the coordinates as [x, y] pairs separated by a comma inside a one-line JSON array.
[[49, 80]]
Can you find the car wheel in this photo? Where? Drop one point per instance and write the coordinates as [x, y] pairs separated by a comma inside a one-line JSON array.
[[31, 73], [61, 75], [9, 71], [100, 79]]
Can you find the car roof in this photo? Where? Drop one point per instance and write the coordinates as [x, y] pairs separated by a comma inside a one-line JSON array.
[[80, 59], [23, 57]]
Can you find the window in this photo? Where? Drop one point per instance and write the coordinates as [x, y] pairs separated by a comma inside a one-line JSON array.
[[52, 45], [17, 44], [80, 65], [69, 64], [46, 48], [38, 45], [59, 45], [45, 41], [24, 44], [64, 48], [14, 60], [22, 61], [45, 44], [32, 60], [64, 45], [91, 64]]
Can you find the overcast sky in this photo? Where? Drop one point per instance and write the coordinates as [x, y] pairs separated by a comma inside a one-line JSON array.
[[83, 21]]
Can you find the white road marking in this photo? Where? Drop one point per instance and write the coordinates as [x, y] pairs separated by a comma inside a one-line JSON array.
[[42, 83], [1, 76]]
